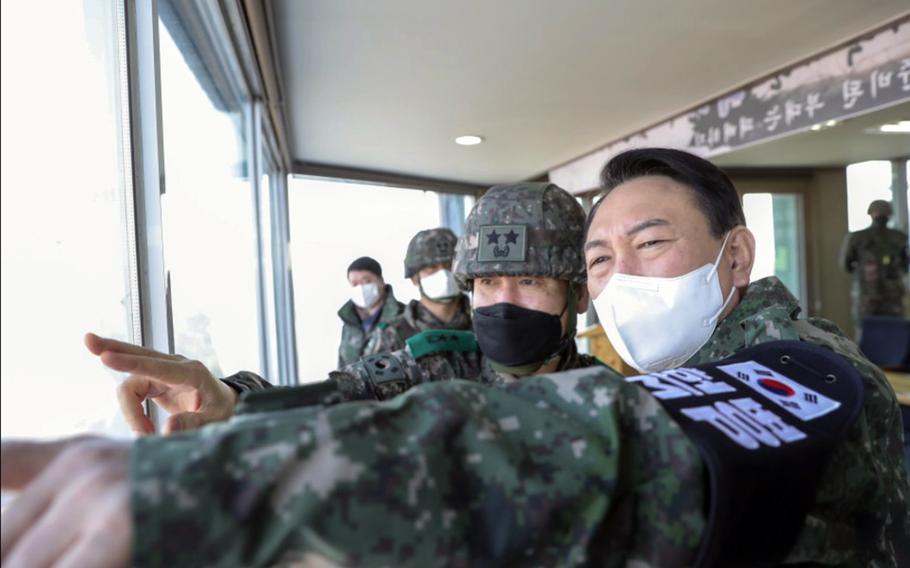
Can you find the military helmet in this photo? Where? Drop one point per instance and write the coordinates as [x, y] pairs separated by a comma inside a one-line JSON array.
[[433, 246], [522, 229], [880, 208]]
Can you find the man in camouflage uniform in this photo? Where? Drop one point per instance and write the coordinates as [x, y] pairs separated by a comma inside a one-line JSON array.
[[360, 321], [428, 264], [859, 515], [877, 258]]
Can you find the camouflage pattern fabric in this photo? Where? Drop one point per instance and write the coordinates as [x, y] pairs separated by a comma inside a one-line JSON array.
[[353, 338], [427, 248], [877, 258], [245, 381], [859, 517], [554, 470], [413, 320], [522, 229]]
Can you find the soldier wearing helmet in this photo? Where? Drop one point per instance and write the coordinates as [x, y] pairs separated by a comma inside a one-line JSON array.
[[442, 305], [877, 260]]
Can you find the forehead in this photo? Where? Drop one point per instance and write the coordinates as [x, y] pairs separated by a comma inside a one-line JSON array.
[[643, 198], [362, 275]]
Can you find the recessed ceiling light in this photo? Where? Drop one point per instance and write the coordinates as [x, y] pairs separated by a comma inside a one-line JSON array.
[[901, 127], [831, 123], [816, 127], [469, 140]]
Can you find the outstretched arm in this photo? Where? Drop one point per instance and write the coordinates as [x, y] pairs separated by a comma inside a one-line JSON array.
[[452, 471]]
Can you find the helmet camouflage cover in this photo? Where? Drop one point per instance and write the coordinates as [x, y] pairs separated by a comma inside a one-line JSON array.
[[433, 246], [534, 229]]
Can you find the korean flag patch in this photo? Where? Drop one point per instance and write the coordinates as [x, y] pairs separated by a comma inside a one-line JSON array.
[[797, 399]]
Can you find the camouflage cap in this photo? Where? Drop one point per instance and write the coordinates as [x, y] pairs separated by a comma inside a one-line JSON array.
[[433, 246], [880, 208], [522, 229]]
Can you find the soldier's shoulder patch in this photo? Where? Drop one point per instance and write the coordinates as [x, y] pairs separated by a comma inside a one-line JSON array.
[[503, 243], [439, 340]]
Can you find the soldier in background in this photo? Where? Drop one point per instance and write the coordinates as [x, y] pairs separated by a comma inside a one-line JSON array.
[[372, 304], [877, 258], [428, 264]]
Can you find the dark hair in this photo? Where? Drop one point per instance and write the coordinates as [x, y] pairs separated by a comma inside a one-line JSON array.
[[366, 263], [712, 190]]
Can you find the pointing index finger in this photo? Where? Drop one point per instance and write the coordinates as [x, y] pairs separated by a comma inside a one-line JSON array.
[[99, 345]]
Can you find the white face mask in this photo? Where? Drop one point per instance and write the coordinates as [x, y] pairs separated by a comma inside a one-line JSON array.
[[439, 286], [656, 323], [365, 295]]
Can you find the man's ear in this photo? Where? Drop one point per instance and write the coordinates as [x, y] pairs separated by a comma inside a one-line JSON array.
[[741, 250], [414, 280], [581, 297]]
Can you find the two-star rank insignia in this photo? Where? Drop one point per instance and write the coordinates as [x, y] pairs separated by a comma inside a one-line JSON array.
[[503, 243]]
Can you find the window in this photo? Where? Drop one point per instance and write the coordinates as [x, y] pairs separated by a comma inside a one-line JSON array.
[[776, 221], [208, 216], [331, 224], [866, 182], [65, 260]]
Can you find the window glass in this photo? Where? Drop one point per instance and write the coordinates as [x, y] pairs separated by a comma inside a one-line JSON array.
[[775, 220], [208, 217], [64, 254], [268, 279], [866, 182], [331, 224]]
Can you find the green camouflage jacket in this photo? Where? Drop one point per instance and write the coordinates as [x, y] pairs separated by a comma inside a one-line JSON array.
[[412, 321], [860, 510], [353, 338], [553, 470], [877, 259]]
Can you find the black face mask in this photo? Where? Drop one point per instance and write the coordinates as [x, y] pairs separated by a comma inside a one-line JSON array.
[[514, 336]]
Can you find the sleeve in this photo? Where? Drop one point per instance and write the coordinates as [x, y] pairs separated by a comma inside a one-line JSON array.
[[245, 381], [543, 474], [848, 254], [905, 255], [341, 362]]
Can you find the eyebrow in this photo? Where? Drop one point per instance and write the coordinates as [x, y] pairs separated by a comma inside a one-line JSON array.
[[646, 224]]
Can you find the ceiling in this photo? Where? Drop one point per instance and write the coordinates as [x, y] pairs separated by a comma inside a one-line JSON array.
[[388, 85], [853, 140]]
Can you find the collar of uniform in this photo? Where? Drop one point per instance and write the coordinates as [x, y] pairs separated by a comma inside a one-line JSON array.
[[419, 317], [569, 360], [765, 313], [390, 310], [348, 313]]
